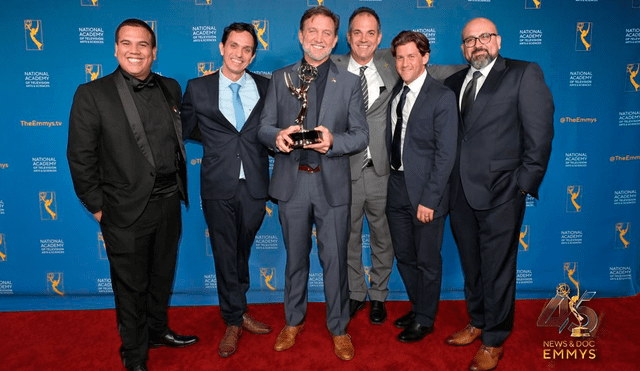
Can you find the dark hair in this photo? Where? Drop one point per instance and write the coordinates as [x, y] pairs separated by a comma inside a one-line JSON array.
[[406, 37], [133, 22], [321, 10], [364, 10], [241, 27]]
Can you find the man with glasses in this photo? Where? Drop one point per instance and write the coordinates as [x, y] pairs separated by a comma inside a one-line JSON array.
[[504, 144]]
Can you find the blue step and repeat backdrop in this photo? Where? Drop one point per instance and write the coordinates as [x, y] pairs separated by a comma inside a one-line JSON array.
[[584, 230]]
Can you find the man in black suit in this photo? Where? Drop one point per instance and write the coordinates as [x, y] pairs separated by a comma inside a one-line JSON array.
[[313, 185], [234, 175], [421, 144], [504, 144], [127, 164]]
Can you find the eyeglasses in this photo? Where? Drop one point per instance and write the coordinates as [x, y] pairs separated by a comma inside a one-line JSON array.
[[484, 39]]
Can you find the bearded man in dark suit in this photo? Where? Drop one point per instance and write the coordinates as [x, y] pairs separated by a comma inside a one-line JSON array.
[[504, 144]]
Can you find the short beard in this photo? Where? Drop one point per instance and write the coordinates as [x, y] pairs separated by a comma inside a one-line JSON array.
[[481, 61], [317, 59]]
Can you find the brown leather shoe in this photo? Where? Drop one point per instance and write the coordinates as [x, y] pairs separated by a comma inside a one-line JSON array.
[[343, 347], [254, 326], [287, 337], [486, 359], [465, 336], [229, 342]]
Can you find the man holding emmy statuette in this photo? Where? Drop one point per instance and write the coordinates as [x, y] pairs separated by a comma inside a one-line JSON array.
[[311, 177]]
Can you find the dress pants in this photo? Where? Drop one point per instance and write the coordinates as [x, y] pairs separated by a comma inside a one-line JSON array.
[[142, 258], [417, 247], [488, 245], [369, 195], [233, 225], [297, 215]]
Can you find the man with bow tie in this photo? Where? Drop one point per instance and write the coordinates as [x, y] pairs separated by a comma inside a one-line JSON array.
[[127, 163]]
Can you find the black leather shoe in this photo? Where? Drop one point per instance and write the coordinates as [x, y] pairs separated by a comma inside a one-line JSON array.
[[141, 367], [378, 312], [406, 320], [414, 332], [171, 339], [355, 306]]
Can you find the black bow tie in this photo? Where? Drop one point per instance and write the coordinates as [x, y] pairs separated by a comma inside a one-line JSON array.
[[141, 85]]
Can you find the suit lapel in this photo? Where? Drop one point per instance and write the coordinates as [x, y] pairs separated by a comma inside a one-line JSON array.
[[329, 92], [486, 92], [388, 78], [175, 114], [250, 122], [133, 117]]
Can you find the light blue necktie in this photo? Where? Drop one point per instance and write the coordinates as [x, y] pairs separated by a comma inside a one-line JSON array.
[[237, 105]]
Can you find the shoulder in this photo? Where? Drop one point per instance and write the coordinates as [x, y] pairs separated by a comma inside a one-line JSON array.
[[384, 55], [259, 79]]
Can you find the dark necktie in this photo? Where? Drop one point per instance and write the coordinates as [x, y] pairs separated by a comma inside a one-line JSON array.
[[469, 95], [396, 145], [365, 96]]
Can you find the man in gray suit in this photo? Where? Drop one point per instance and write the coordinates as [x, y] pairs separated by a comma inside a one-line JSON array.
[[370, 168], [314, 184]]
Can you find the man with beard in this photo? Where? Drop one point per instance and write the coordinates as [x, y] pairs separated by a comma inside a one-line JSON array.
[[504, 144], [313, 184]]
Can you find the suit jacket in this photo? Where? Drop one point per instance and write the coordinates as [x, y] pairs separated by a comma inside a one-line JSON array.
[[111, 165], [341, 112], [429, 147], [376, 114], [504, 146], [224, 146]]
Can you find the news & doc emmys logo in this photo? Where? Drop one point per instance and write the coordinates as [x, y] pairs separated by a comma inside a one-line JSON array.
[[205, 68], [583, 36], [426, 3], [262, 30], [429, 32], [89, 2], [3, 248], [55, 283], [92, 72], [532, 4], [524, 239], [48, 206], [268, 278], [203, 2], [567, 312], [622, 240], [574, 198], [631, 84], [204, 34], [315, 2], [33, 34]]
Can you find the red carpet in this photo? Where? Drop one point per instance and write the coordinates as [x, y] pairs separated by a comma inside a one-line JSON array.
[[88, 340]]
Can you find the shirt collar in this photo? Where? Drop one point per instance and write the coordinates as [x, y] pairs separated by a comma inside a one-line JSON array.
[[417, 83], [225, 81], [353, 65]]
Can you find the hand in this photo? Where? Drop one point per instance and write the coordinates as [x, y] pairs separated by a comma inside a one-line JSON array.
[[284, 141], [325, 143], [98, 216], [424, 214]]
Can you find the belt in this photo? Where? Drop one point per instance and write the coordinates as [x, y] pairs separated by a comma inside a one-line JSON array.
[[309, 169]]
